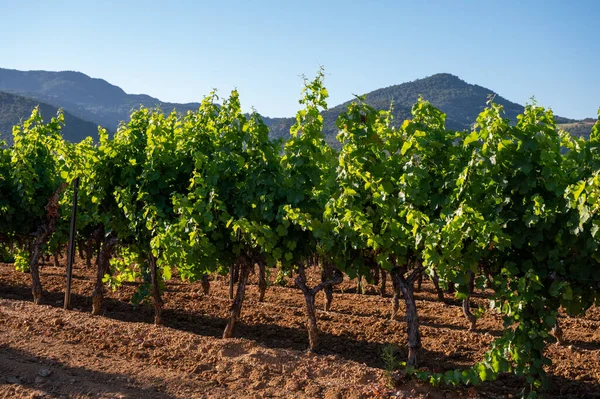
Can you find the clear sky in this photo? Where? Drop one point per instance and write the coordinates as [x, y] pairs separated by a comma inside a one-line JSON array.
[[179, 50]]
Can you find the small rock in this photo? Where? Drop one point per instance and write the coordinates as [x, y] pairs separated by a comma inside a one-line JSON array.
[[292, 385], [201, 368], [363, 379], [44, 373], [258, 386], [39, 380]]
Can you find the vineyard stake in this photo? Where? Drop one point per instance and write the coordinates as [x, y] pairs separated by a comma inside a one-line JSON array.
[[71, 250]]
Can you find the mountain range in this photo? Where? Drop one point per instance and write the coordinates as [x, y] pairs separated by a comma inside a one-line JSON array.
[[89, 102], [15, 109]]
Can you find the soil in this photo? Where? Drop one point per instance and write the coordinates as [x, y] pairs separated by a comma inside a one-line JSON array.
[[48, 352]]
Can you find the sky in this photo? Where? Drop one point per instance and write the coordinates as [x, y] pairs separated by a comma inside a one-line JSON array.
[[178, 51]]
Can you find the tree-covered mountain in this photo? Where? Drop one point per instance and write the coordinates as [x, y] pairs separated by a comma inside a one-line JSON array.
[[88, 98], [459, 100], [14, 109], [105, 104]]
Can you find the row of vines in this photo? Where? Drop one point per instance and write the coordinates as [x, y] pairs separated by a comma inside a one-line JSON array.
[[512, 207]]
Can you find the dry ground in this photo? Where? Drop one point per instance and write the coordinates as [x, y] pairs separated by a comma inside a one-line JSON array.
[[48, 352]]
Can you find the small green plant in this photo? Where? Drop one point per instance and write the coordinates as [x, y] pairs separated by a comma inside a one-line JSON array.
[[124, 268], [391, 364], [479, 313], [268, 273], [22, 261], [282, 278]]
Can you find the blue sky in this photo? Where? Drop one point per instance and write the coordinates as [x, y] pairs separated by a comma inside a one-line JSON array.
[[179, 50]]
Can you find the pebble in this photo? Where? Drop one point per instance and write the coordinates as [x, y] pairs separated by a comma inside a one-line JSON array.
[[259, 385], [44, 373]]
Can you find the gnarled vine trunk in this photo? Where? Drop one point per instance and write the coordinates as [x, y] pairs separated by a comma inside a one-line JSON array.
[[375, 271], [309, 298], [205, 284], [262, 280], [98, 241], [244, 265], [103, 267], [436, 283], [56, 256], [466, 304], [383, 282], [360, 287], [412, 323], [41, 236], [36, 285], [327, 274], [80, 247], [156, 298], [406, 287], [236, 273], [89, 253], [233, 277], [396, 297]]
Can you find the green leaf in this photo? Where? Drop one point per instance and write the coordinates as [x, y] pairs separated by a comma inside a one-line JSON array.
[[406, 146], [474, 136]]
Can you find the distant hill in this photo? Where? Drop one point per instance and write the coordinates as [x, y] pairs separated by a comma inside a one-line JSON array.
[[105, 104], [579, 128], [459, 100], [15, 109], [88, 98]]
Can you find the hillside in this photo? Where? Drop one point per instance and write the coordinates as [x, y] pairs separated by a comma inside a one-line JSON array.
[[14, 109], [579, 128], [88, 98], [105, 104], [461, 102]]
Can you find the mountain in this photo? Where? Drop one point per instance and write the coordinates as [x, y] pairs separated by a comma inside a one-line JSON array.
[[88, 98], [581, 128], [15, 109], [460, 101], [105, 104]]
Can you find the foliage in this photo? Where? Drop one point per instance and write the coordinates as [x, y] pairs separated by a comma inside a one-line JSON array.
[[307, 176], [22, 261], [208, 190]]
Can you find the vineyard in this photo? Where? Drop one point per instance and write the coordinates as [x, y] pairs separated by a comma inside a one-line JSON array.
[[491, 232]]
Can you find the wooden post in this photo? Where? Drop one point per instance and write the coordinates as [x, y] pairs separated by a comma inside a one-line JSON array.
[[71, 250]]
